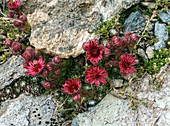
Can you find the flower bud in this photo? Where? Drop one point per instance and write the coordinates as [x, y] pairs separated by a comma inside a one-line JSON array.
[[95, 40], [18, 22], [57, 72], [23, 28], [50, 66], [125, 41], [27, 55], [127, 34], [109, 45], [77, 97], [47, 85], [29, 48], [117, 41], [8, 42], [106, 52], [56, 59], [44, 73], [134, 37], [10, 14], [16, 46], [22, 18]]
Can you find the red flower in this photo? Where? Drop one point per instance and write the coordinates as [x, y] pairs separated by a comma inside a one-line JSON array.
[[93, 50], [14, 5], [35, 67], [71, 86], [127, 63], [86, 44], [96, 75]]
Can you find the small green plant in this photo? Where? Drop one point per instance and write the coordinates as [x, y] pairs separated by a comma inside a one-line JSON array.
[[105, 27], [160, 58]]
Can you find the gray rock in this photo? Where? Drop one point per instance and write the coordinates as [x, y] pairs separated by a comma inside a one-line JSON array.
[[113, 32], [135, 22], [112, 111], [149, 52], [149, 4], [61, 26], [2, 37], [141, 52], [117, 83], [161, 32], [29, 111], [165, 16], [11, 70]]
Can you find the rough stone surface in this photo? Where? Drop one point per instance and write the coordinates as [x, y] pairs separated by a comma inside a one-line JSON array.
[[112, 111], [61, 26], [165, 16], [117, 83], [134, 23], [11, 70], [149, 4], [141, 52], [161, 31], [29, 111]]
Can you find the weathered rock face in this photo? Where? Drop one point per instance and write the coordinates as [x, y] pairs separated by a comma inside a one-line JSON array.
[[29, 111], [11, 70], [112, 111], [165, 17], [61, 26], [135, 22], [161, 32]]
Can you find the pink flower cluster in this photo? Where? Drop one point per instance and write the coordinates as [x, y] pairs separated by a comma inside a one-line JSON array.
[[35, 65], [20, 19], [111, 53]]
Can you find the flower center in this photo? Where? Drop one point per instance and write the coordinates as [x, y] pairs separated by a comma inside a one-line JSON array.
[[126, 64], [73, 88], [95, 52]]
